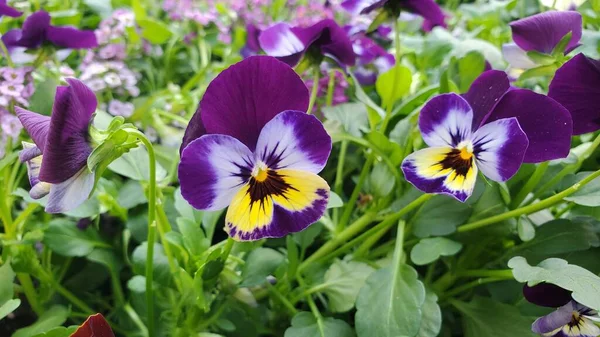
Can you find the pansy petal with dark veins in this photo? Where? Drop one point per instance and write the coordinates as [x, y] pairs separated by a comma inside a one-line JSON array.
[[36, 125], [69, 37], [446, 120], [485, 93]]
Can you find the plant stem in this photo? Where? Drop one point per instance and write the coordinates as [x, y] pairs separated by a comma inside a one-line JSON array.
[[151, 230], [505, 274], [315, 89], [72, 298], [390, 106], [6, 54], [30, 294], [339, 176], [399, 247], [163, 228], [533, 181], [543, 204], [330, 87], [287, 304], [469, 286], [314, 309], [136, 319], [351, 204]]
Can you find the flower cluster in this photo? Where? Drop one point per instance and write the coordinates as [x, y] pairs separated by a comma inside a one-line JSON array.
[[105, 69], [16, 86], [10, 128]]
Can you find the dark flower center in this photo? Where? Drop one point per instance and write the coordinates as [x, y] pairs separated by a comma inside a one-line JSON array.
[[458, 159], [264, 183]]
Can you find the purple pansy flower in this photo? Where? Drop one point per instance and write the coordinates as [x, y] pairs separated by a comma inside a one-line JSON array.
[[252, 46], [38, 30], [541, 33], [324, 38], [8, 11], [571, 319], [428, 9], [576, 85], [252, 147], [372, 59], [57, 162], [492, 128]]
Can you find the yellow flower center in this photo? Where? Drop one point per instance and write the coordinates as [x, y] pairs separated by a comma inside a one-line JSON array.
[[466, 150], [260, 172]]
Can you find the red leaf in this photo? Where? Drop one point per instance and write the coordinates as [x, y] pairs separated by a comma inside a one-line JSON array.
[[94, 326]]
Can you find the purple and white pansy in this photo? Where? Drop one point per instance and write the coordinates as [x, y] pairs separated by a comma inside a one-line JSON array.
[[571, 319], [428, 9], [57, 162], [492, 128], [252, 147], [324, 38], [541, 33]]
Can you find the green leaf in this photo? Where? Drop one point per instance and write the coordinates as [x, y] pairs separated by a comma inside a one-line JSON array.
[[541, 71], [364, 98], [106, 257], [161, 271], [439, 216], [7, 276], [525, 229], [466, 69], [558, 237], [193, 237], [52, 318], [43, 97], [184, 208], [59, 332], [8, 307], [131, 194], [351, 117], [306, 237], [260, 263], [102, 7], [540, 58], [64, 238], [134, 165], [154, 31], [304, 324], [561, 46], [431, 324], [138, 9], [343, 280], [389, 305], [588, 195], [381, 181], [334, 201], [137, 284], [583, 283], [485, 317], [429, 250], [393, 84]]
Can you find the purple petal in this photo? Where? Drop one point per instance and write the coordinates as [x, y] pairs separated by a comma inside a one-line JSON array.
[[288, 201], [252, 34], [194, 130], [8, 11], [71, 193], [428, 9], [212, 170], [34, 30], [244, 97], [365, 76], [547, 295], [67, 148], [36, 125], [69, 37], [446, 120], [576, 85], [294, 140], [499, 147], [542, 32], [546, 123], [330, 38], [432, 170], [281, 41], [554, 320], [362, 6], [11, 39], [32, 156], [484, 94]]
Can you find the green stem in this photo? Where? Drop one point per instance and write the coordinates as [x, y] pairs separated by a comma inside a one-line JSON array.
[[399, 247], [351, 204], [30, 294], [530, 185], [6, 54], [315, 89], [173, 116], [390, 106], [136, 319], [543, 204], [163, 228], [339, 177], [505, 274], [287, 304], [468, 286], [151, 230], [314, 309], [330, 87], [23, 216], [72, 298]]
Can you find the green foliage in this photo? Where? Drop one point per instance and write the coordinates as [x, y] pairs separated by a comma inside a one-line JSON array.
[[430, 249], [304, 324], [261, 263], [343, 281], [52, 318]]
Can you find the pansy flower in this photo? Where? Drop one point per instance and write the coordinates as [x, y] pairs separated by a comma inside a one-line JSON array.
[[57, 162], [252, 147], [571, 319], [6, 10], [428, 9], [372, 59], [94, 326], [324, 38], [541, 33], [252, 46], [492, 128], [37, 30], [576, 85]]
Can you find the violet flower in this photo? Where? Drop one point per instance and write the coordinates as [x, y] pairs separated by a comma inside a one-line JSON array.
[[252, 147], [252, 46], [37, 30], [428, 9], [541, 33], [493, 128], [6, 10], [571, 319], [57, 162], [576, 85], [325, 38], [372, 59]]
